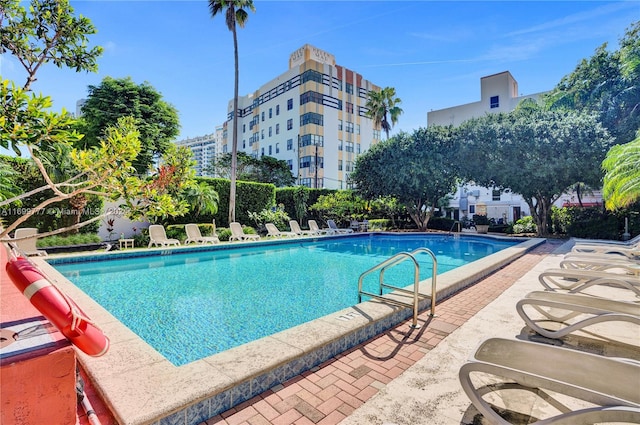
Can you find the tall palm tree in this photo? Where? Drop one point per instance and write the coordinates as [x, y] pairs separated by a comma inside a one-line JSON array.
[[383, 105], [622, 174], [235, 14]]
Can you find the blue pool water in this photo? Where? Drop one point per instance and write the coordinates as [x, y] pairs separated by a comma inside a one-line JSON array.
[[190, 305]]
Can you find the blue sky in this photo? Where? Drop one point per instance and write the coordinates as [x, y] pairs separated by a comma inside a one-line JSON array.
[[433, 53]]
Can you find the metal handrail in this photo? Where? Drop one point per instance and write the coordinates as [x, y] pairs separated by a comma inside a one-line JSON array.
[[393, 261]]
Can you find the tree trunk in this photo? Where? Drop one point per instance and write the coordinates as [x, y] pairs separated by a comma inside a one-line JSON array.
[[234, 142]]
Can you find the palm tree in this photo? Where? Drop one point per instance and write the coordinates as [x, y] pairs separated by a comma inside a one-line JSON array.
[[383, 105], [235, 14], [622, 174]]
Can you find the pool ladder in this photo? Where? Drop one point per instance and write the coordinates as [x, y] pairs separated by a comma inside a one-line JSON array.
[[393, 261]]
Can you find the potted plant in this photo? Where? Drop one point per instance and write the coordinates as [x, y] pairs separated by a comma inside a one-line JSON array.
[[481, 222]]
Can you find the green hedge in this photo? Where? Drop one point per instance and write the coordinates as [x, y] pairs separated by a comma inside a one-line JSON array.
[[250, 197], [595, 222]]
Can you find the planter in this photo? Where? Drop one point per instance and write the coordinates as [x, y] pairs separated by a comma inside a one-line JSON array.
[[482, 228]]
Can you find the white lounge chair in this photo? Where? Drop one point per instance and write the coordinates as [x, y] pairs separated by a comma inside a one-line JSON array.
[[598, 263], [28, 246], [608, 386], [631, 251], [572, 312], [158, 237], [273, 232], [237, 234], [295, 228], [576, 280], [195, 236], [313, 226], [333, 226], [630, 242]]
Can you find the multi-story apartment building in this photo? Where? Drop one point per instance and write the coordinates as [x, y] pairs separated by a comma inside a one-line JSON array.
[[498, 93], [312, 116], [204, 149]]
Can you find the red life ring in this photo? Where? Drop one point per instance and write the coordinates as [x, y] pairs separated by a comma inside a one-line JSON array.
[[57, 308]]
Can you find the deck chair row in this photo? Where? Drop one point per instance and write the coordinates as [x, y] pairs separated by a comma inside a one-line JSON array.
[[610, 385]]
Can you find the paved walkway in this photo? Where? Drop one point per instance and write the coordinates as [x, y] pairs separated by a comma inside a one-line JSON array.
[[404, 376]]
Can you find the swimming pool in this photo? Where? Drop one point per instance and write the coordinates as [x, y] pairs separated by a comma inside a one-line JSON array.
[[192, 303]]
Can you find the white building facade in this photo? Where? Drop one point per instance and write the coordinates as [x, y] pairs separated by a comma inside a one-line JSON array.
[[205, 150], [312, 116], [498, 93]]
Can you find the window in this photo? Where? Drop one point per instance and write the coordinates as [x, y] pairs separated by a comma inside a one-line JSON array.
[[349, 127], [339, 165], [270, 112], [311, 139], [277, 128], [472, 209], [290, 144], [348, 88], [376, 134], [263, 116], [495, 195], [277, 147], [349, 147], [305, 162], [305, 182], [357, 128], [311, 75], [289, 104], [340, 147], [244, 128], [244, 143], [270, 131], [494, 102], [290, 164], [311, 118], [262, 152], [289, 123], [270, 151], [358, 150], [262, 134], [277, 110], [311, 96], [339, 125], [349, 107]]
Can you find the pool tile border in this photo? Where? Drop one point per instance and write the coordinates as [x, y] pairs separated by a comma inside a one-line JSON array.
[[192, 393]]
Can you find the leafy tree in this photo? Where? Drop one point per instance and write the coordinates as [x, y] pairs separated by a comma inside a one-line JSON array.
[[156, 120], [104, 170], [535, 152], [235, 14], [340, 206], [383, 106], [264, 170], [417, 169], [608, 84], [47, 32], [622, 178]]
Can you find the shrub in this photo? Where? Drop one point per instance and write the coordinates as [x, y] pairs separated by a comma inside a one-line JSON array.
[[480, 219], [275, 215], [524, 225], [77, 239], [380, 224], [440, 223]]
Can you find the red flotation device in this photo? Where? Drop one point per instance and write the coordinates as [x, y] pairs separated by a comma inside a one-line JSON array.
[[59, 309]]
